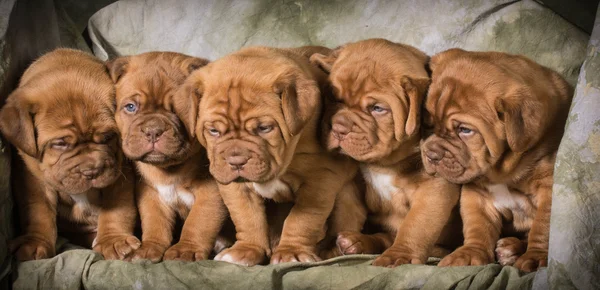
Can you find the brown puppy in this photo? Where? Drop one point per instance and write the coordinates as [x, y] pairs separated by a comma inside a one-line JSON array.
[[175, 179], [379, 87], [71, 173], [497, 120], [259, 114]]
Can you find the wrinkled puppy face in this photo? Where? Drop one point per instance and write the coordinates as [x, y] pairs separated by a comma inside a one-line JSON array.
[[151, 130], [378, 90], [254, 105], [480, 112], [66, 122]]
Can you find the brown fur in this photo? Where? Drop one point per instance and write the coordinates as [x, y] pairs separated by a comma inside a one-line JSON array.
[[379, 87], [71, 171], [259, 115], [175, 181], [515, 110]]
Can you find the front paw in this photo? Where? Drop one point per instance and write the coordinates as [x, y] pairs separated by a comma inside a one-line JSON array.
[[532, 260], [116, 247], [28, 248], [396, 256], [242, 254], [508, 250], [150, 251], [284, 254], [185, 251], [466, 256]]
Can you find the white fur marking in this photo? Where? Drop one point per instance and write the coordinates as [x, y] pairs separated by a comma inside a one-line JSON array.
[[380, 182], [271, 188], [187, 198], [81, 198], [502, 197], [167, 193]]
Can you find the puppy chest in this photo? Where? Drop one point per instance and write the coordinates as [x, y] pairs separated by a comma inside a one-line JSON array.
[[382, 184], [517, 206], [173, 195], [274, 189], [81, 208]]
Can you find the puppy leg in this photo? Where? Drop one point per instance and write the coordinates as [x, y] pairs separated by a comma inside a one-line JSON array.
[[482, 226], [508, 250], [430, 211], [537, 242], [346, 222], [157, 224], [37, 212], [247, 210], [117, 218], [201, 225], [304, 226]]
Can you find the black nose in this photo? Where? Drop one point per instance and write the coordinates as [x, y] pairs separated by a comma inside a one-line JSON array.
[[153, 133]]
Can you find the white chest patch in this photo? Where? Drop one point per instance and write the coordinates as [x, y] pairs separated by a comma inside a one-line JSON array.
[[170, 195], [271, 188], [380, 182], [167, 193], [80, 199], [187, 198], [503, 199]]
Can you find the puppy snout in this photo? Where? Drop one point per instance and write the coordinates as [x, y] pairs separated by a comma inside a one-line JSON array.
[[237, 162], [153, 133], [433, 156], [340, 126]]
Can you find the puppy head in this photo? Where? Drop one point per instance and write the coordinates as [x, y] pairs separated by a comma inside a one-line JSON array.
[[378, 91], [485, 110], [61, 115], [254, 106], [151, 127]]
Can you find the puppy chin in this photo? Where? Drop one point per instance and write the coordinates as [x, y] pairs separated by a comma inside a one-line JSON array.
[[227, 176], [78, 184]]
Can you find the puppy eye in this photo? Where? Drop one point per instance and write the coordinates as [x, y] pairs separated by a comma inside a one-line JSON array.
[[379, 110], [263, 129], [131, 108], [60, 144], [464, 131], [214, 132]]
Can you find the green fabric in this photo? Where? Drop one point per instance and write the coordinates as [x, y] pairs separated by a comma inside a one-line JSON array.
[[575, 225], [84, 268]]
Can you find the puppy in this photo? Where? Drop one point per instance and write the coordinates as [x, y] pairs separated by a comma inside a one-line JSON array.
[[496, 121], [175, 181], [71, 172], [259, 117], [378, 89]]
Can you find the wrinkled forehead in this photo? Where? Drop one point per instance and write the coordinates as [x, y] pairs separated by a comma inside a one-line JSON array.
[[358, 78], [450, 99]]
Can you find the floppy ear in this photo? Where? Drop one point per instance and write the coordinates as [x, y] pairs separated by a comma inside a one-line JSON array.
[[300, 100], [117, 67], [523, 116], [415, 90], [186, 102], [16, 123], [325, 62], [193, 63]]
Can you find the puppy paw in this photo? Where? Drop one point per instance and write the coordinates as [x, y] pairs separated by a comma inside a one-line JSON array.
[[242, 254], [351, 243], [466, 256], [116, 247], [396, 256], [284, 254], [508, 250], [184, 251], [532, 260], [149, 251], [28, 248]]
